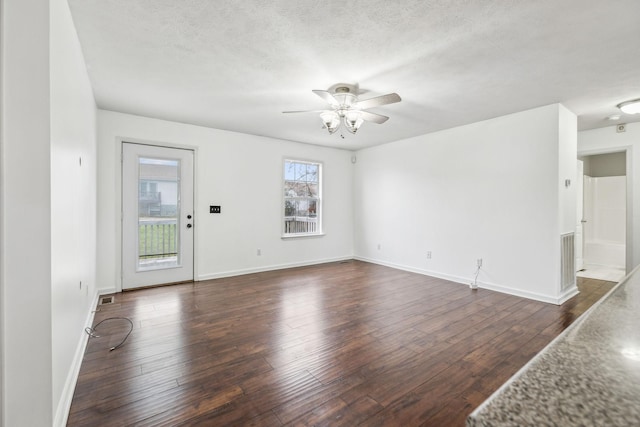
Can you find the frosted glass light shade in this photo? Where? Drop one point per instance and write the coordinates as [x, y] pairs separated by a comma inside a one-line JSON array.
[[331, 120], [630, 107], [353, 120]]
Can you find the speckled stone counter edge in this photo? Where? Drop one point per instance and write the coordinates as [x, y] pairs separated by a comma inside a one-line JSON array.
[[475, 418]]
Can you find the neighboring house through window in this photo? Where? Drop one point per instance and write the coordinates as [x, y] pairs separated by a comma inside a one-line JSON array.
[[158, 189], [302, 198]]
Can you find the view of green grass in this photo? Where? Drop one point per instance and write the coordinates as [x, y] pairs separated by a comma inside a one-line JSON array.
[[156, 240]]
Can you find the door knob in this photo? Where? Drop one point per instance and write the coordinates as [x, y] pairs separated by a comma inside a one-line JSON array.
[[189, 225]]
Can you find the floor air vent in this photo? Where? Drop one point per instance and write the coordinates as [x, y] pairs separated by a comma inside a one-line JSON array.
[[567, 261], [106, 300]]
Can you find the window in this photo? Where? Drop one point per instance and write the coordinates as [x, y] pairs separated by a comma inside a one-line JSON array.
[[302, 198]]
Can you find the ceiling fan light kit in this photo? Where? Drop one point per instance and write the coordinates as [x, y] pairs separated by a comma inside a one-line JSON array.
[[630, 107], [331, 120], [345, 108], [353, 120]]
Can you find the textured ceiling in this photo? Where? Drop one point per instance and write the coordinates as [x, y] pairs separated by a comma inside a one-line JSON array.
[[236, 65]]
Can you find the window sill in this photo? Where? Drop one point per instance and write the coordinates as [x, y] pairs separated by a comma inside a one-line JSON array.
[[301, 236]]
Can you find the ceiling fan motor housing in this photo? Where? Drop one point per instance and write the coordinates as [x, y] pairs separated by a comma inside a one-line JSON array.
[[342, 89], [347, 98]]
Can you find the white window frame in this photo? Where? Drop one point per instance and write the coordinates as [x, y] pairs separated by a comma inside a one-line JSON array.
[[286, 228]]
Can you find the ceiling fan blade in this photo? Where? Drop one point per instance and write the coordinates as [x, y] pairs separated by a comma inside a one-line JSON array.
[[389, 98], [373, 117], [326, 96], [305, 111]]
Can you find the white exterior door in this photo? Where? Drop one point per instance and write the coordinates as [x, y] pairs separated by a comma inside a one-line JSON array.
[[579, 241], [157, 215]]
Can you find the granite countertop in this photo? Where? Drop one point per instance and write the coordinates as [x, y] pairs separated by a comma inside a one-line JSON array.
[[588, 376]]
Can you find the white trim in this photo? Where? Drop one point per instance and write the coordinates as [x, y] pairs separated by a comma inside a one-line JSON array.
[[66, 397], [232, 273], [444, 276], [320, 203], [628, 150], [484, 285], [301, 236], [117, 206], [531, 295], [107, 291], [568, 294]]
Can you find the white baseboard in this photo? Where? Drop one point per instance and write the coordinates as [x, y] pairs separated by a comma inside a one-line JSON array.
[[568, 294], [525, 294], [452, 278], [64, 404], [240, 272], [484, 285], [430, 273], [106, 291]]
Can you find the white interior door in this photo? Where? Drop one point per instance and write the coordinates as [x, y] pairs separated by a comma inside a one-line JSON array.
[[157, 215], [579, 241]]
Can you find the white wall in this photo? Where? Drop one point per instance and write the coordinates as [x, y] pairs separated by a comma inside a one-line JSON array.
[[243, 174], [73, 205], [25, 249], [610, 164], [567, 169], [605, 212], [605, 209], [490, 190], [606, 139]]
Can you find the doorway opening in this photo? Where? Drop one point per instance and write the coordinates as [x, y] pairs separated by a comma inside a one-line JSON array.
[[602, 215]]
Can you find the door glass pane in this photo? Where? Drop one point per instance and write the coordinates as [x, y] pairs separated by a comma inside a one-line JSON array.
[[158, 213]]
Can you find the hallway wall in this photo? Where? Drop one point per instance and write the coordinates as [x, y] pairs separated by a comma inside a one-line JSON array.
[[73, 205]]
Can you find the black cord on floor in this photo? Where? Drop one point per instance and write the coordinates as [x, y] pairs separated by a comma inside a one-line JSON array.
[[92, 331]]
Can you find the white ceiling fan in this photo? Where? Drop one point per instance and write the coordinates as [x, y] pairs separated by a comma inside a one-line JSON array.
[[345, 107]]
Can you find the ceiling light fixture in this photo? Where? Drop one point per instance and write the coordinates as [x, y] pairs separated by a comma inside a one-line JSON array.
[[630, 107], [353, 120], [345, 108], [331, 120]]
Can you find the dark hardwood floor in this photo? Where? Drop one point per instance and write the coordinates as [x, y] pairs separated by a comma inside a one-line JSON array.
[[339, 344]]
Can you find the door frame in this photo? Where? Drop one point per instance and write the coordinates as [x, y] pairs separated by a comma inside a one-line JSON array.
[[629, 229], [579, 233], [118, 201]]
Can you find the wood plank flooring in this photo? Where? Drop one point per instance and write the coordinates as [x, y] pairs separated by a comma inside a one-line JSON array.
[[340, 344]]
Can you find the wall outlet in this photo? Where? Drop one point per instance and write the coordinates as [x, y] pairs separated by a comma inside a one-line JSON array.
[[428, 254], [259, 252], [479, 262]]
